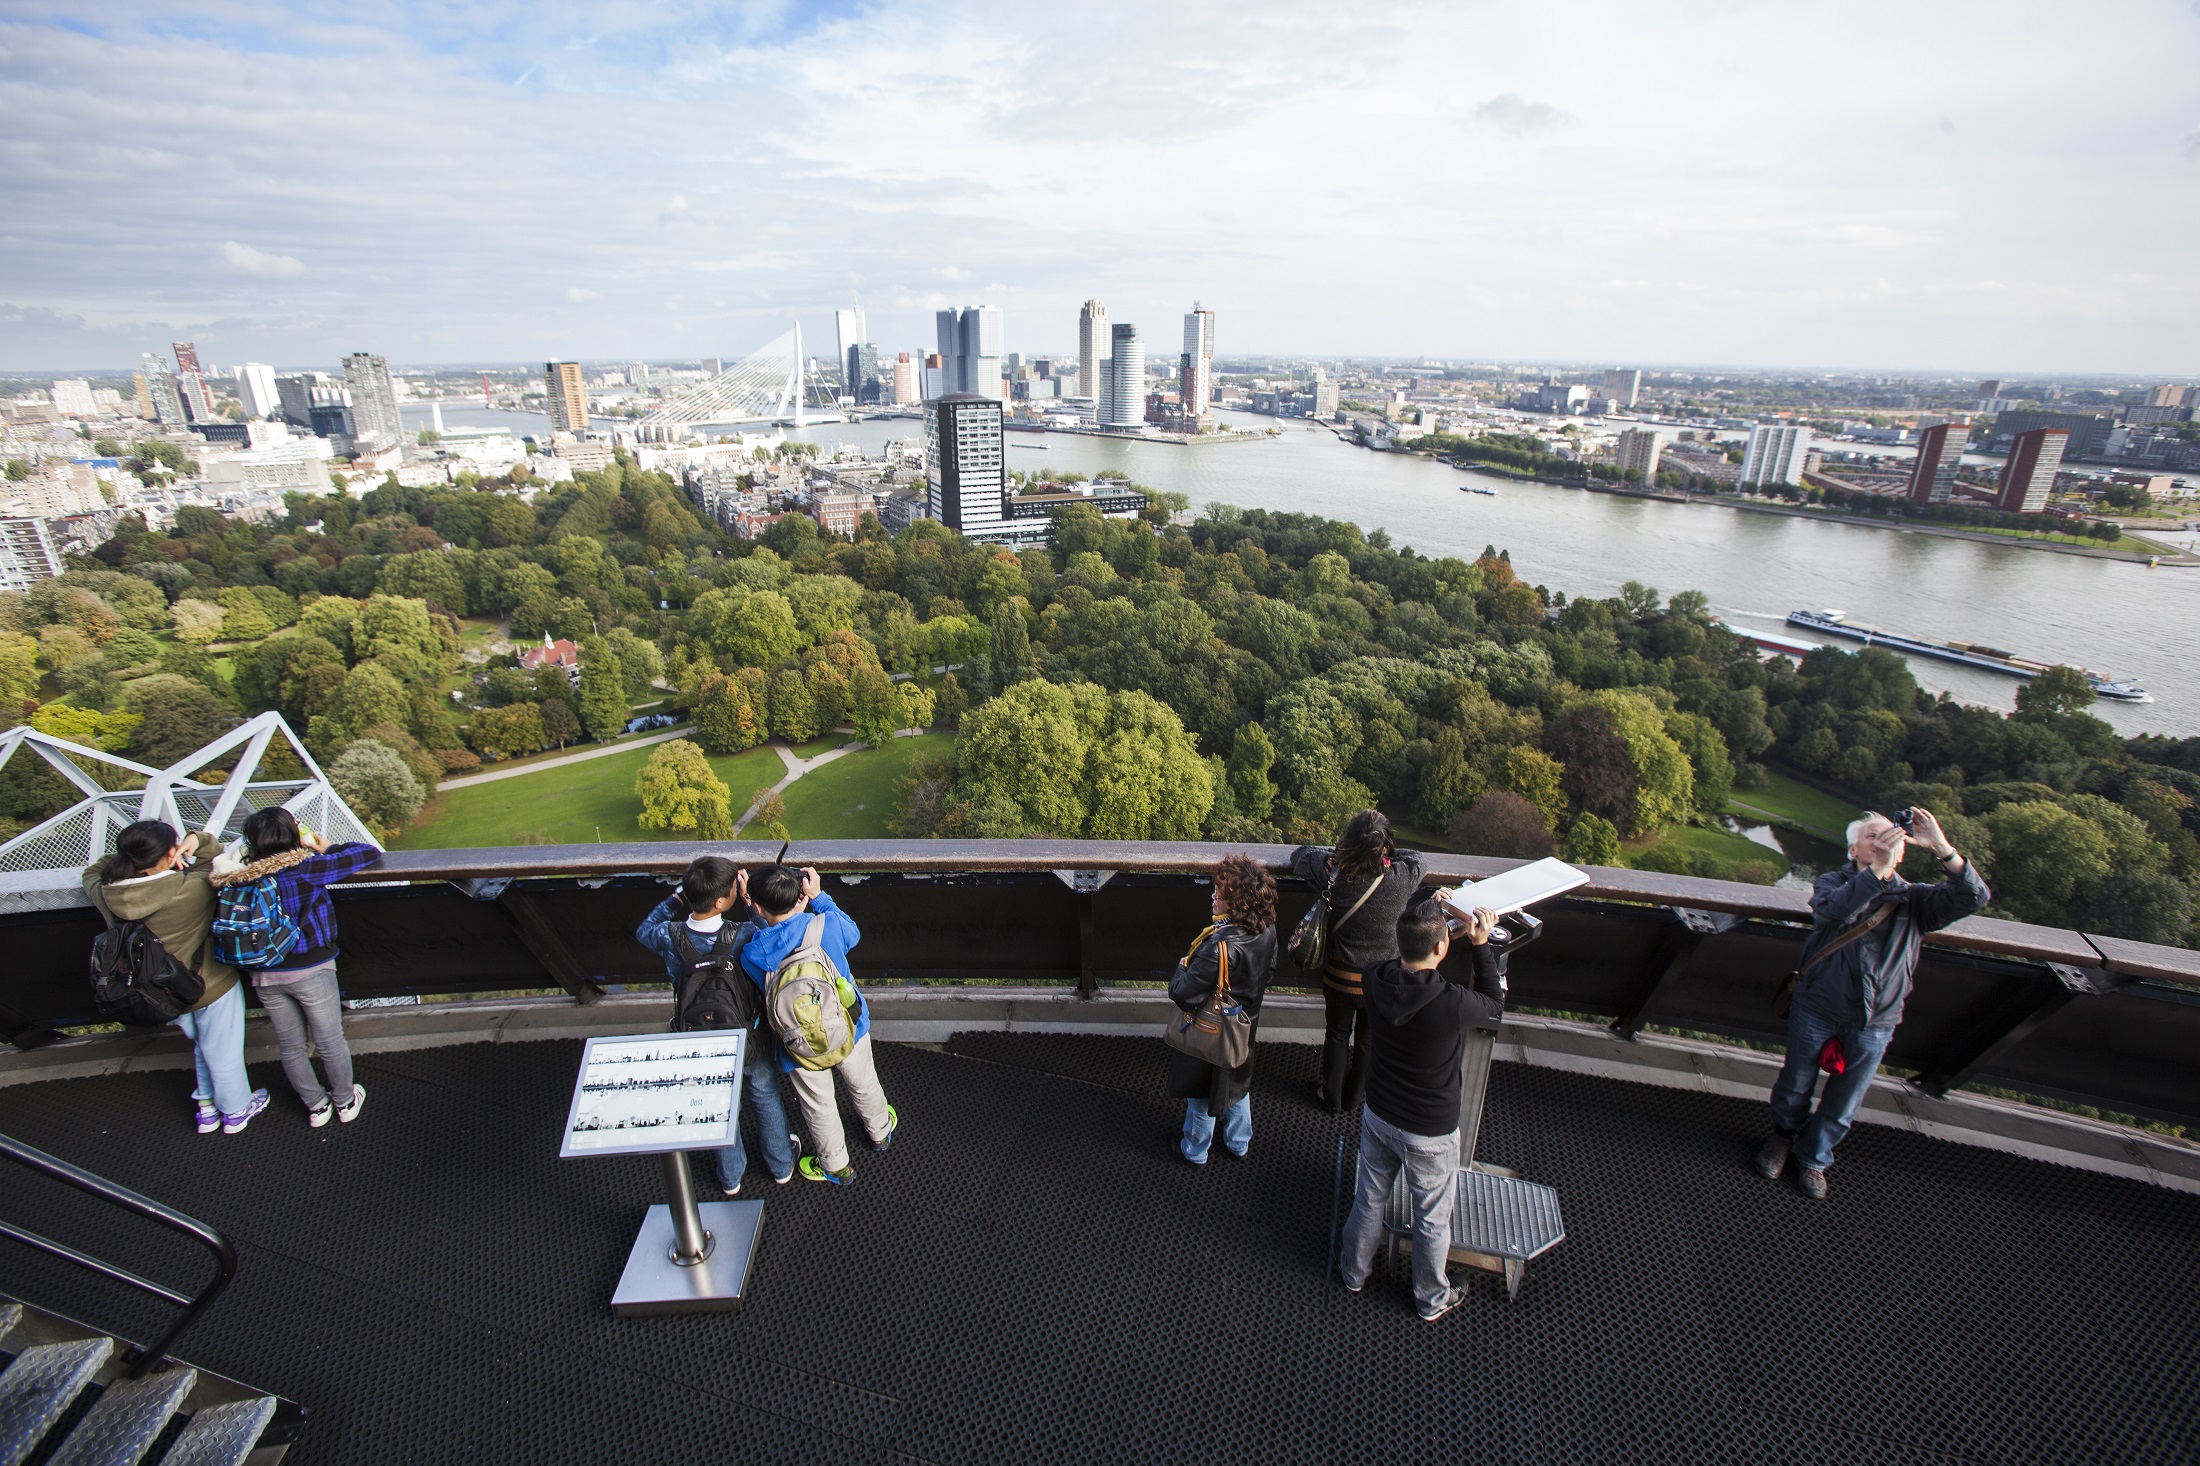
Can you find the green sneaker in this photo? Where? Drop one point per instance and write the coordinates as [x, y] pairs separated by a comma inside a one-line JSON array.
[[812, 1171], [893, 1128]]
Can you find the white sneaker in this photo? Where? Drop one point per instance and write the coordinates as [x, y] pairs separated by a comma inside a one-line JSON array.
[[318, 1118], [350, 1112]]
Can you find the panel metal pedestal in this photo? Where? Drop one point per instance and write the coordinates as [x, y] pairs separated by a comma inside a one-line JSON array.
[[689, 1258]]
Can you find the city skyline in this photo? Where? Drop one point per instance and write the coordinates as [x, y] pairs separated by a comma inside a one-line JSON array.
[[924, 157]]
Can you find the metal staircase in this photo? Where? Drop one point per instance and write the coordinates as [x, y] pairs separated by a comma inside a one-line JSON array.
[[73, 1395]]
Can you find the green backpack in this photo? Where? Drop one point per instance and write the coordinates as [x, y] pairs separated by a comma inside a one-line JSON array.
[[811, 1006]]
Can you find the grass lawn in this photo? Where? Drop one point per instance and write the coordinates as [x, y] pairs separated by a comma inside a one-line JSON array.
[[573, 805], [823, 743], [1727, 852], [1790, 802], [852, 797]]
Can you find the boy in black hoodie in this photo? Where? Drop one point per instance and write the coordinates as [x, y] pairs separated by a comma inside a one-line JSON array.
[[1417, 1028]]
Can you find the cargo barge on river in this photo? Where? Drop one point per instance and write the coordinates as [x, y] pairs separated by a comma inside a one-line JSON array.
[[1991, 659]]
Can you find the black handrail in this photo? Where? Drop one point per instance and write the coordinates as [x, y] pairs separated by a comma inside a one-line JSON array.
[[225, 1255]]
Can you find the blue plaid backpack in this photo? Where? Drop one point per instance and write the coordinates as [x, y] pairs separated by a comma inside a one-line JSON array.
[[251, 929]]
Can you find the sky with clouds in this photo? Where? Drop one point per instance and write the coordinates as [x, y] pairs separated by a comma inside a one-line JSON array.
[[2001, 188]]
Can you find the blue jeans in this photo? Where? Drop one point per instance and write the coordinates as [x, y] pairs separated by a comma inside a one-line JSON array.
[[1199, 1129], [1431, 1164], [1817, 1133], [760, 1077], [217, 1051]]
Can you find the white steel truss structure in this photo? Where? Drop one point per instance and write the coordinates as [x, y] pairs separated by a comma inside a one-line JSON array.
[[85, 831]]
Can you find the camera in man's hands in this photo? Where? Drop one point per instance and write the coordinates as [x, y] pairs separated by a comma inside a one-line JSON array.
[[1905, 820]]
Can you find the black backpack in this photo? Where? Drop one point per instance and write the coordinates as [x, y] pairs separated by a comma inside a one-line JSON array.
[[713, 991], [135, 980]]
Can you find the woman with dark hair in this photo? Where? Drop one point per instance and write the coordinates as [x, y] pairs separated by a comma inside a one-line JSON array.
[[299, 990], [1245, 922], [1369, 881], [154, 877]]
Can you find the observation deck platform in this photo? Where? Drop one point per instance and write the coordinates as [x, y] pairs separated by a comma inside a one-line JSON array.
[[1033, 1275]]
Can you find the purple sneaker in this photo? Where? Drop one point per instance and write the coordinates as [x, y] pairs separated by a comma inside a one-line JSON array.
[[210, 1119], [231, 1124]]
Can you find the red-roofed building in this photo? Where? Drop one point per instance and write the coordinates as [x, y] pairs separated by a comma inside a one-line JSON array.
[[561, 654]]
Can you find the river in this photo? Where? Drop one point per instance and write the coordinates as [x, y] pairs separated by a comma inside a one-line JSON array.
[[2116, 617]]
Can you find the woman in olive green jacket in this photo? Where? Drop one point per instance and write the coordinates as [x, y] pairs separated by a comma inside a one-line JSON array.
[[161, 880]]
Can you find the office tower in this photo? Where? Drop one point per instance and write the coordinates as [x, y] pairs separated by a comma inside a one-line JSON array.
[[1775, 454], [963, 468], [1093, 345], [73, 398], [1196, 384], [1939, 454], [320, 405], [2166, 395], [27, 554], [934, 376], [1623, 385], [1639, 449], [637, 372], [256, 385], [1989, 389], [863, 372], [160, 388], [198, 403], [187, 358], [568, 397], [1123, 401], [1325, 394], [373, 401], [908, 383], [970, 349], [848, 333], [2029, 475]]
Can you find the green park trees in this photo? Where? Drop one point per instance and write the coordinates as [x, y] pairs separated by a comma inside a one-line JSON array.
[[1080, 761], [679, 793]]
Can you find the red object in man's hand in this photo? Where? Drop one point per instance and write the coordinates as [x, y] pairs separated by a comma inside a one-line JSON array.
[[1831, 1059]]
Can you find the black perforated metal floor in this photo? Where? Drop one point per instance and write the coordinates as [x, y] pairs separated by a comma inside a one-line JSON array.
[[1031, 1275]]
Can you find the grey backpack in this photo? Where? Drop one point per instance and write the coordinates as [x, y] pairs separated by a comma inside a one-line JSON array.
[[815, 1023]]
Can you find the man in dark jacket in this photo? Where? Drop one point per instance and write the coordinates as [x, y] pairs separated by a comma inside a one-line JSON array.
[[1417, 1034], [1868, 925]]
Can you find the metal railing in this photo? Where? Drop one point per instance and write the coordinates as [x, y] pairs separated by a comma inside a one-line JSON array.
[[225, 1256], [2067, 1015]]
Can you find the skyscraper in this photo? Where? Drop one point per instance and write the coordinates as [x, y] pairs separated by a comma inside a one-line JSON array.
[[907, 381], [160, 388], [963, 469], [848, 333], [187, 358], [1123, 403], [2169, 394], [256, 385], [1639, 449], [1939, 453], [970, 350], [1093, 345], [862, 372], [1196, 391], [373, 401], [1775, 454], [1623, 385], [568, 396], [198, 403], [2028, 477]]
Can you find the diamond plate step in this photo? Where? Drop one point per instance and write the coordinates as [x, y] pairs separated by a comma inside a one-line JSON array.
[[11, 1314], [125, 1421], [221, 1435], [39, 1386]]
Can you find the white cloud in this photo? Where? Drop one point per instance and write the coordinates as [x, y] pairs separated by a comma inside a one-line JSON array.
[[258, 264], [576, 294], [1517, 115], [1441, 179]]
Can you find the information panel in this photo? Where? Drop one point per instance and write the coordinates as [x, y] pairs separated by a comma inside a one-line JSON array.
[[644, 1093]]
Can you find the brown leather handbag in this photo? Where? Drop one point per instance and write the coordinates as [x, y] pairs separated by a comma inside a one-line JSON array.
[[1220, 1032]]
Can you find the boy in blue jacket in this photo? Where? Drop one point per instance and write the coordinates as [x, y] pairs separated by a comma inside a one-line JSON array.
[[708, 910], [784, 902]]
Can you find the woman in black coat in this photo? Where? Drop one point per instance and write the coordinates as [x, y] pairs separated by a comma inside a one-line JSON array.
[[1374, 883], [1245, 923]]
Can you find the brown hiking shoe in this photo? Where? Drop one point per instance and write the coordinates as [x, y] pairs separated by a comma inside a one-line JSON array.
[[1814, 1185], [1773, 1158]]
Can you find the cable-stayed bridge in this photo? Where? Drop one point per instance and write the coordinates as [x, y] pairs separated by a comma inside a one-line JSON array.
[[770, 387]]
